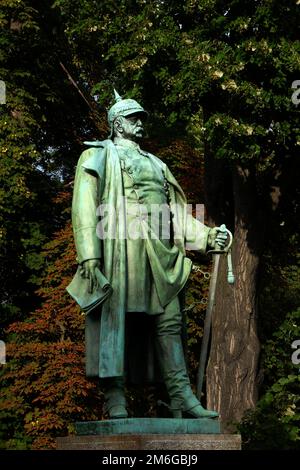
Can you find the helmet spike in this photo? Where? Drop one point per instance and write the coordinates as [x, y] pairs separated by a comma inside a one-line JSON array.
[[117, 96]]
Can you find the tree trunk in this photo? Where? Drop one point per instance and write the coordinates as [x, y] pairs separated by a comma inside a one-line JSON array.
[[232, 379]]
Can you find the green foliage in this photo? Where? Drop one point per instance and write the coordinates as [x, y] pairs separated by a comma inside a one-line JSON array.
[[238, 60], [35, 132], [18, 124]]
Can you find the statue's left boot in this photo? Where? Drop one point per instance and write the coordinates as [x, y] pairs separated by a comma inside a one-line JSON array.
[[182, 399]]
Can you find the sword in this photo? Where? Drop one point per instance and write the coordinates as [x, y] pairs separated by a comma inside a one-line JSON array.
[[211, 301]]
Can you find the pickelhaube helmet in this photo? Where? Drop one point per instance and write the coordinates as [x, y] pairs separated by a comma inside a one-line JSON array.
[[124, 107]]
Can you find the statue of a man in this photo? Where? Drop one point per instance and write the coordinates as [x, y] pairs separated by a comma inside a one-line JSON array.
[[141, 252]]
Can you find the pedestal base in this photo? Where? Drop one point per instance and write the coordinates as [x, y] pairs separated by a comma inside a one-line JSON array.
[[150, 434], [191, 442]]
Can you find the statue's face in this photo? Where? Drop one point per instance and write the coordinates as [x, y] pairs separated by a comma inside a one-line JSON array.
[[131, 127]]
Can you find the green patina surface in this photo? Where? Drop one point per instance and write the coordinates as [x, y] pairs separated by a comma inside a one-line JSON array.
[[149, 426], [132, 259]]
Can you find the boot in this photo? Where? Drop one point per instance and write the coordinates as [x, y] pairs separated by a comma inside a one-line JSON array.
[[115, 401], [171, 358]]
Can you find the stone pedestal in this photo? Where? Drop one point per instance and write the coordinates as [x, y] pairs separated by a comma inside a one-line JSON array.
[[150, 434], [187, 442]]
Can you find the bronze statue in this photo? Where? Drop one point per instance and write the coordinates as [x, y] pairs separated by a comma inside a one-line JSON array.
[[131, 228]]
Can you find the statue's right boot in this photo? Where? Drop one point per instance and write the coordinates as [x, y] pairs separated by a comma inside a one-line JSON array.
[[182, 399], [115, 401]]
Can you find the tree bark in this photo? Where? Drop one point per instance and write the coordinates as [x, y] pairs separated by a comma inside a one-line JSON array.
[[232, 378]]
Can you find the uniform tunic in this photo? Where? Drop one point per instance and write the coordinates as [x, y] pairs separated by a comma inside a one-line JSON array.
[[148, 221], [100, 181]]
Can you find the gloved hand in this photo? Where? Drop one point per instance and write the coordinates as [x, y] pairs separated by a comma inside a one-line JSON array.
[[217, 238]]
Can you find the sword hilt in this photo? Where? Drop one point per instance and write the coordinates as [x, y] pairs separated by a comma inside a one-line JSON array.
[[227, 251]]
